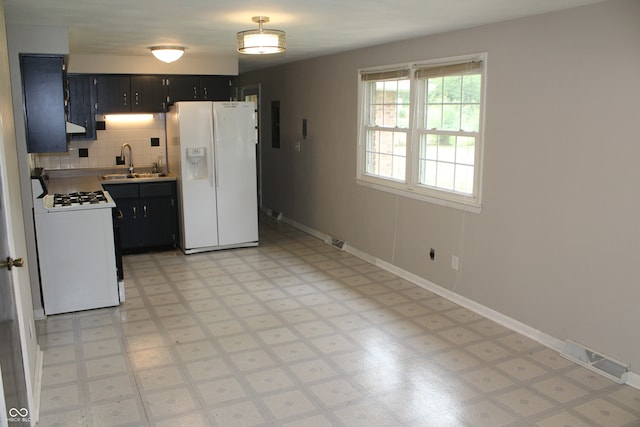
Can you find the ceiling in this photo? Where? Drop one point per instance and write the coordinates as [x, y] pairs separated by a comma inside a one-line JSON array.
[[209, 27]]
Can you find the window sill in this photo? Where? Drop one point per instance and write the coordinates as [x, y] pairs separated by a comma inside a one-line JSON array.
[[441, 201]]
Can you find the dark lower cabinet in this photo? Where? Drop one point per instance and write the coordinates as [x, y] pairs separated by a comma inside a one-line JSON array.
[[148, 215]]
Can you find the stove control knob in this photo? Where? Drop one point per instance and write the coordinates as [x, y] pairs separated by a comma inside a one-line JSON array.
[[10, 263]]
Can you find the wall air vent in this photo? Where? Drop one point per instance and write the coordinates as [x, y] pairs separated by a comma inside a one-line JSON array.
[[335, 242], [595, 361], [274, 214]]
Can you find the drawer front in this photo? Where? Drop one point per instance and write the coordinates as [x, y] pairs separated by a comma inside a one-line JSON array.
[[122, 191], [157, 189]]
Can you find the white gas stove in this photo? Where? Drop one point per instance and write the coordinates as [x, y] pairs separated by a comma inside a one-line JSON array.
[[76, 252]]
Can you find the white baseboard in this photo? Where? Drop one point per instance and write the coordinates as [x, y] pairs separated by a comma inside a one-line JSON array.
[[633, 379], [37, 387]]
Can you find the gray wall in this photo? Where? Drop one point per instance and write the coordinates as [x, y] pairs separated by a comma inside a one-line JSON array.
[[557, 243]]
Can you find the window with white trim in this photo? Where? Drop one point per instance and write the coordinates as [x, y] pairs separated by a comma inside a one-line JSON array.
[[421, 130]]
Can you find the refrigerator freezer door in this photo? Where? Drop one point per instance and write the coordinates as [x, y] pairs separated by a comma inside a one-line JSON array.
[[197, 184], [234, 130]]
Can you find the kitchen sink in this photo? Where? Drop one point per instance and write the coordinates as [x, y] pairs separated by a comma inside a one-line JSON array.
[[148, 175], [116, 176], [137, 175]]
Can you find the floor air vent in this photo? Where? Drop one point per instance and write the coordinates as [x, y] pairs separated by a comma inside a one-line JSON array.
[[595, 361]]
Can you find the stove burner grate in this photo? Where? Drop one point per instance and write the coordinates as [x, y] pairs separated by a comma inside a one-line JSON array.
[[79, 198]]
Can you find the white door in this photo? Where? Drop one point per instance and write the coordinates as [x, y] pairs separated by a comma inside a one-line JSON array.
[[234, 129], [11, 358]]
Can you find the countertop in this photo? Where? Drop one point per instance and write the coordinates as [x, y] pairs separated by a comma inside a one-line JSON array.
[[71, 180]]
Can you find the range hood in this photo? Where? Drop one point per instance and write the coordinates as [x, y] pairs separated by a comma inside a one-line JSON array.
[[74, 128]]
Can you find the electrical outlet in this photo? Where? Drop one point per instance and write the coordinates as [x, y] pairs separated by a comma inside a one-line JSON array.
[[455, 262], [432, 254]]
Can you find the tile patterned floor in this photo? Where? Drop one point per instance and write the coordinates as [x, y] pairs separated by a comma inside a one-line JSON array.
[[297, 333]]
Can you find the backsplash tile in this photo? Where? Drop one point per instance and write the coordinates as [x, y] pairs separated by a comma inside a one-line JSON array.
[[103, 151]]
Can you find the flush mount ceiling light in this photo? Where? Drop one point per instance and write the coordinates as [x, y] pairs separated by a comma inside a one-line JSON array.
[[167, 54], [261, 41]]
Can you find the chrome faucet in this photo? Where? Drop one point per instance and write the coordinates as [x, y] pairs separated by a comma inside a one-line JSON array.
[[125, 145]]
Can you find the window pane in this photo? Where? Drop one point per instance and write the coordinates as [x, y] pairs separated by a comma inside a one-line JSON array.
[[451, 117], [373, 143], [371, 166], [464, 179], [452, 91], [465, 150], [445, 175], [385, 140], [434, 90], [428, 173], [399, 166], [470, 117], [447, 148], [389, 115], [390, 103], [434, 116], [430, 144], [386, 154], [403, 116], [400, 144], [471, 88]]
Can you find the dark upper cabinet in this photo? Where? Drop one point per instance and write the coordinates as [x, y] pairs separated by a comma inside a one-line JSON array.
[[120, 93], [215, 88], [198, 88], [43, 83], [81, 105], [113, 94], [129, 94], [183, 88], [148, 94]]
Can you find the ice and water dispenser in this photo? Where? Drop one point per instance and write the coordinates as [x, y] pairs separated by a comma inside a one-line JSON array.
[[197, 162]]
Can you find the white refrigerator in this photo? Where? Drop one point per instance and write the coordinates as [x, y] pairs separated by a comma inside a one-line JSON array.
[[211, 148]]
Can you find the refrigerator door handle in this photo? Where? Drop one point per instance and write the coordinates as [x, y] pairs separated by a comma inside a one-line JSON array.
[[214, 151], [213, 170]]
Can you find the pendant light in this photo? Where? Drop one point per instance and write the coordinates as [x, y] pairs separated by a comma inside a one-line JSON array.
[[167, 54], [261, 41]]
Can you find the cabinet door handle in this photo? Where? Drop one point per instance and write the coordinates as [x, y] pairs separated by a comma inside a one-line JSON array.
[[119, 214], [206, 96], [144, 208], [125, 99], [195, 92], [137, 98], [135, 212]]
